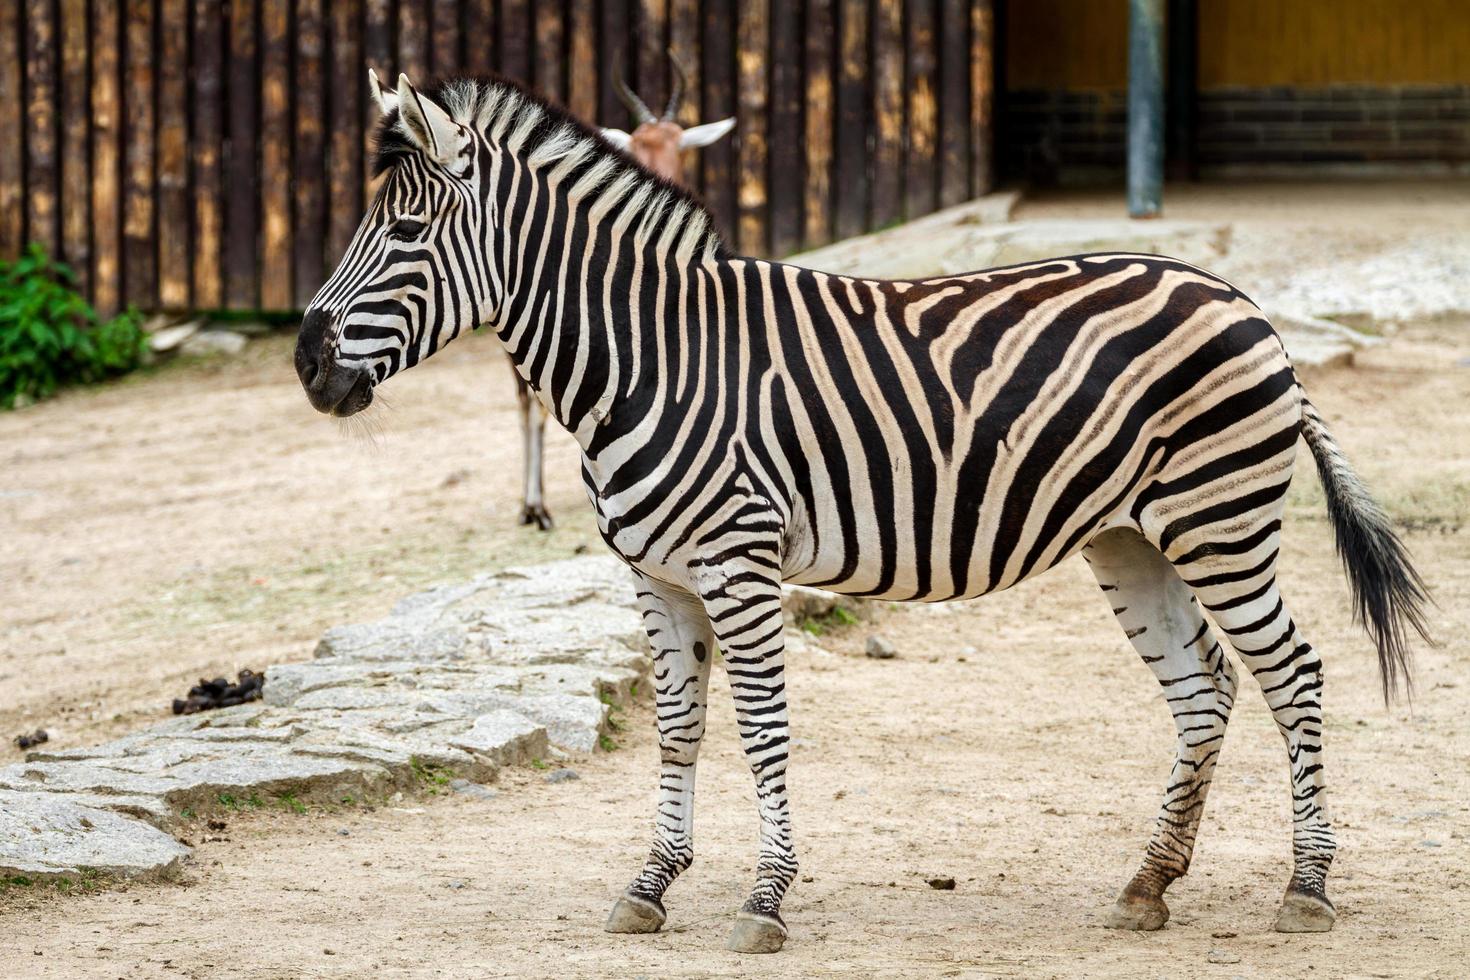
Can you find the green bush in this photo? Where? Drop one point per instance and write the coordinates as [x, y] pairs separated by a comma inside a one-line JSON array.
[[50, 336]]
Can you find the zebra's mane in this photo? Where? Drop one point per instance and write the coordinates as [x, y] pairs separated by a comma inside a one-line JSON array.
[[547, 136]]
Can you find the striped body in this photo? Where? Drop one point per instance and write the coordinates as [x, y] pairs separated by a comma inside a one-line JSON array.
[[745, 423]]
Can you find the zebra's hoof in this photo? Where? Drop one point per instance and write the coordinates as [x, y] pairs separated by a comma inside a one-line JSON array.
[[537, 515], [1302, 912], [635, 914], [1138, 913], [754, 933]]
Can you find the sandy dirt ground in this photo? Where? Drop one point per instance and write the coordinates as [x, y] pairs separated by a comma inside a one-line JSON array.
[[200, 519]]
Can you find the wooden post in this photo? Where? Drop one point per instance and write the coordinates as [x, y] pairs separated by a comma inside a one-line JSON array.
[[717, 159], [921, 190], [175, 263], [786, 188], [12, 119], [106, 158], [1182, 92], [550, 45], [1145, 108], [242, 230], [653, 61], [204, 144], [850, 207], [820, 26], [308, 163], [140, 267], [954, 103], [515, 40], [751, 57], [887, 113], [377, 54], [344, 151], [982, 97], [612, 62], [275, 156], [582, 67], [480, 33], [684, 42], [76, 185], [444, 58], [413, 43], [42, 173]]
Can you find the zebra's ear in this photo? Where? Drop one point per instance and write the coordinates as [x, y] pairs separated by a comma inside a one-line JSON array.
[[387, 102], [617, 138], [425, 122]]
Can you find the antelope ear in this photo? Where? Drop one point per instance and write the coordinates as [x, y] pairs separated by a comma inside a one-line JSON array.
[[617, 138], [442, 139], [697, 136], [386, 102]]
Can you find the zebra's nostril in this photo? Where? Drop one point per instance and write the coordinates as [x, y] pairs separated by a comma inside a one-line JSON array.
[[308, 372]]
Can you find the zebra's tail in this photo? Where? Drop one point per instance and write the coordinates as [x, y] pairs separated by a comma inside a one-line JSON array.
[[1388, 594]]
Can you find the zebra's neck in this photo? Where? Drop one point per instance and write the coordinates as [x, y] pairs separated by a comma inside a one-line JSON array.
[[602, 293]]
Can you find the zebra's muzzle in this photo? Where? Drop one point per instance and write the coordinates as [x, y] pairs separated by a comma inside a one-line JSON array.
[[331, 387]]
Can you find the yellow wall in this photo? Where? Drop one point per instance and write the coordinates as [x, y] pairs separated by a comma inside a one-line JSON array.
[[1083, 44], [1324, 42], [1067, 44]]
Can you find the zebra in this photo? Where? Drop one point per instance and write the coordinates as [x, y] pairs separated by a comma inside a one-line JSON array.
[[657, 142], [744, 423]]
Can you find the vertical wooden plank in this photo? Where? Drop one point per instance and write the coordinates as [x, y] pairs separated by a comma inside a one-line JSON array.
[[582, 67], [921, 177], [42, 174], [817, 228], [515, 39], [413, 42], [954, 109], [308, 163], [612, 58], [445, 32], [76, 184], [853, 188], [887, 113], [344, 164], [12, 120], [752, 55], [550, 43], [684, 42], [275, 155], [241, 233], [174, 265], [982, 97], [652, 25], [204, 143], [106, 157], [718, 159], [479, 36], [140, 269], [377, 53], [786, 188]]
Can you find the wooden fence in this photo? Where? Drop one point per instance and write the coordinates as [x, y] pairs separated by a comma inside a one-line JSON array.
[[210, 154]]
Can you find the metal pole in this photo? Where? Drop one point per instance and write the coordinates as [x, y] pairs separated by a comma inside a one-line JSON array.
[[1145, 108]]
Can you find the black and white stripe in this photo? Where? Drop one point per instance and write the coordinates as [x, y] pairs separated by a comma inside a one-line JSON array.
[[745, 423]]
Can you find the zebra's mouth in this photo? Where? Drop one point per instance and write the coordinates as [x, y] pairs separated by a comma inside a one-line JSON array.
[[357, 398]]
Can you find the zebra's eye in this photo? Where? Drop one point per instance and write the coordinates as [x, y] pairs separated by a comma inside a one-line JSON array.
[[406, 229]]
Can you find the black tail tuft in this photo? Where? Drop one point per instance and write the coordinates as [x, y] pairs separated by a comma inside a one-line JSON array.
[[1388, 594]]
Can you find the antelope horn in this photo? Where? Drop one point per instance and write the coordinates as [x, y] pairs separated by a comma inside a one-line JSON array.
[[681, 82], [635, 105]]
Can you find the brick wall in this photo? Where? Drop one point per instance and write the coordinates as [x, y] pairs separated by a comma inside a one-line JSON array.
[[1081, 136]]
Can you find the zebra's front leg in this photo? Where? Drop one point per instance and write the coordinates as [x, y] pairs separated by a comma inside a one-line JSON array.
[[533, 440], [683, 644], [745, 607]]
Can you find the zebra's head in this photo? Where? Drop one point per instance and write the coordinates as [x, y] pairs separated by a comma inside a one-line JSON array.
[[412, 278]]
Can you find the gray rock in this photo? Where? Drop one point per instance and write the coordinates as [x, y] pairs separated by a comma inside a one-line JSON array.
[[880, 648], [210, 342], [562, 776], [507, 737], [47, 835], [466, 788]]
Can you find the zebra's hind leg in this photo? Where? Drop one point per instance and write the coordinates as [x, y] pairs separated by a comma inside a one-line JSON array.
[[1163, 622], [1245, 602], [683, 644]]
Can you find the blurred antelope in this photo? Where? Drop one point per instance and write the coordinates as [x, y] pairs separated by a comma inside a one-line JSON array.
[[658, 143]]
